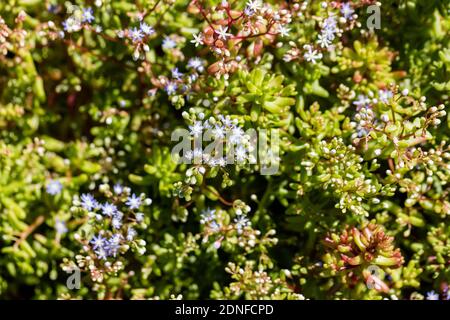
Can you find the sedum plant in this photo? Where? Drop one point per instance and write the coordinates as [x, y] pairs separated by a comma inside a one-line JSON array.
[[209, 149]]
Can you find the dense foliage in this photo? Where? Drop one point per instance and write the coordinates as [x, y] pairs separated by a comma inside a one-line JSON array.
[[352, 94]]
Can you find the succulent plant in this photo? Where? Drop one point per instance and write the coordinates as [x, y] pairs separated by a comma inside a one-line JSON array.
[[198, 149]]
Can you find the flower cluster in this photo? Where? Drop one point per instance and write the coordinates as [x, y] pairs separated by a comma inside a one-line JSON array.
[[111, 230], [181, 83], [139, 36], [79, 17], [339, 17], [224, 131], [217, 225], [230, 33], [259, 284], [12, 39]]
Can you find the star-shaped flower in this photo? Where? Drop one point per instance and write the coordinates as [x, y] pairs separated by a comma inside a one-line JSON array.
[[196, 129], [109, 209], [135, 34], [88, 202], [133, 202], [54, 187], [222, 32], [98, 241], [254, 5], [198, 39], [432, 295], [87, 15], [118, 189], [283, 31], [347, 10], [171, 88], [146, 29], [176, 74], [323, 41], [311, 55]]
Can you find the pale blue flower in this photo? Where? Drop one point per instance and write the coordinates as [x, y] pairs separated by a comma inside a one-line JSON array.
[[98, 242], [139, 217], [196, 129], [118, 189], [248, 11], [88, 202], [176, 74], [135, 34], [116, 223], [133, 202], [72, 25], [131, 233], [60, 226], [113, 244], [171, 88], [88, 15], [215, 226], [53, 187], [101, 253], [168, 43], [146, 29], [109, 209], [432, 295], [195, 63], [362, 102], [207, 215], [241, 222], [347, 10], [385, 95]]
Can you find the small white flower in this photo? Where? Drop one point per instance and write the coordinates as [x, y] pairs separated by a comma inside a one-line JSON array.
[[198, 153], [347, 10], [196, 129], [218, 132], [198, 39], [189, 155], [236, 135], [384, 117], [329, 33], [283, 31], [311, 55], [146, 29], [385, 95], [222, 32], [72, 24], [362, 101], [254, 5], [432, 295], [241, 154], [195, 63], [323, 41], [227, 122], [171, 88], [221, 162]]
